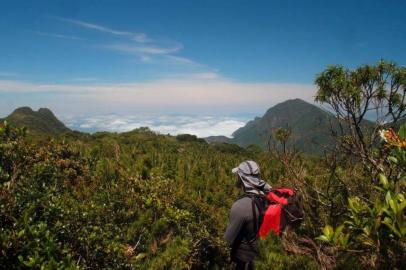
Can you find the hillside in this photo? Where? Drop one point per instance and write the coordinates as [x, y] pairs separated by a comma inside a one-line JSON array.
[[221, 139], [42, 121], [310, 127]]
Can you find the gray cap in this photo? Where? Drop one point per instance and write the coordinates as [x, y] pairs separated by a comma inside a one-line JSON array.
[[247, 167]]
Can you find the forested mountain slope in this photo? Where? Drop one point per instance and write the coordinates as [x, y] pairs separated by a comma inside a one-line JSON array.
[[310, 127], [42, 121]]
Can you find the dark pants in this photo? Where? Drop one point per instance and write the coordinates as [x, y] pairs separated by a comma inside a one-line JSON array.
[[240, 265]]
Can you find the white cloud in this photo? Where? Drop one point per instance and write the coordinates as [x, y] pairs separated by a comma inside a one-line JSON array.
[[201, 126], [181, 60], [138, 37], [140, 50], [138, 44]]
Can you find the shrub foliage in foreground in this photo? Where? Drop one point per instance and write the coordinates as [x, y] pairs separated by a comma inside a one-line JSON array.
[[66, 205], [138, 200], [82, 201]]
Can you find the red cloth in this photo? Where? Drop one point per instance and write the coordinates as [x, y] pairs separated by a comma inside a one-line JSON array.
[[275, 198], [272, 217], [272, 221]]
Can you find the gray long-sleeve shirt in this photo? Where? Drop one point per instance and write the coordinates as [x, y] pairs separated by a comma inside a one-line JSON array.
[[240, 233]]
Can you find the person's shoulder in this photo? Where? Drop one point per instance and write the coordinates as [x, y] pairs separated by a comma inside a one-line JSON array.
[[241, 204], [243, 200]]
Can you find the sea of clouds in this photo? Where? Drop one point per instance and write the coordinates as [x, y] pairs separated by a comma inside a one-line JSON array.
[[201, 126]]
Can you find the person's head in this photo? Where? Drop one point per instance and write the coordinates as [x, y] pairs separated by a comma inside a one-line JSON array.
[[247, 167], [248, 175]]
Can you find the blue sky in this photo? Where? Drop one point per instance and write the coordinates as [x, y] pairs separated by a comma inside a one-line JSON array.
[[228, 58]]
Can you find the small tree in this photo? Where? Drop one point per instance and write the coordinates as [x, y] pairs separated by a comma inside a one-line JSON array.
[[367, 102], [281, 136], [374, 92]]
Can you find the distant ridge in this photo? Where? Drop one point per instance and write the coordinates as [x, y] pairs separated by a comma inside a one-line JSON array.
[[222, 139], [309, 124], [38, 122]]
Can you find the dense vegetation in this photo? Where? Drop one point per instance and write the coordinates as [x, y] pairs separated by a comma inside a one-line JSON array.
[[141, 200], [41, 122]]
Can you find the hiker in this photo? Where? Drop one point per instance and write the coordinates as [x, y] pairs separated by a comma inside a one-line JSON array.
[[242, 229]]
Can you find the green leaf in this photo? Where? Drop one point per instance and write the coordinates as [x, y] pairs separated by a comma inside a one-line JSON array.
[[393, 205], [388, 197], [393, 159], [20, 233], [379, 188], [352, 204], [344, 240], [383, 180], [141, 256], [328, 231], [402, 205], [323, 238], [402, 131], [388, 223], [366, 231], [30, 262], [337, 233]]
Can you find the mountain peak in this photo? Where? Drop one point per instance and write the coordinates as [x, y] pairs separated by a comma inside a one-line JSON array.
[[294, 100], [296, 104], [42, 121], [309, 125], [45, 111], [23, 110]]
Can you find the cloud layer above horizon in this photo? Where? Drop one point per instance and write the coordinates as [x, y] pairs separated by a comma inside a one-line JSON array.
[[201, 126]]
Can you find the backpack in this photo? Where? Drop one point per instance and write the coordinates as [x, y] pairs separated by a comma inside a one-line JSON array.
[[278, 209]]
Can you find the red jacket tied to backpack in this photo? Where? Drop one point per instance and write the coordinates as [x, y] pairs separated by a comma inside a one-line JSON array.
[[283, 208]]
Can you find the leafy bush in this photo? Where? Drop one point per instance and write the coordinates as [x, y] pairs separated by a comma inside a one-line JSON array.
[[376, 230]]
